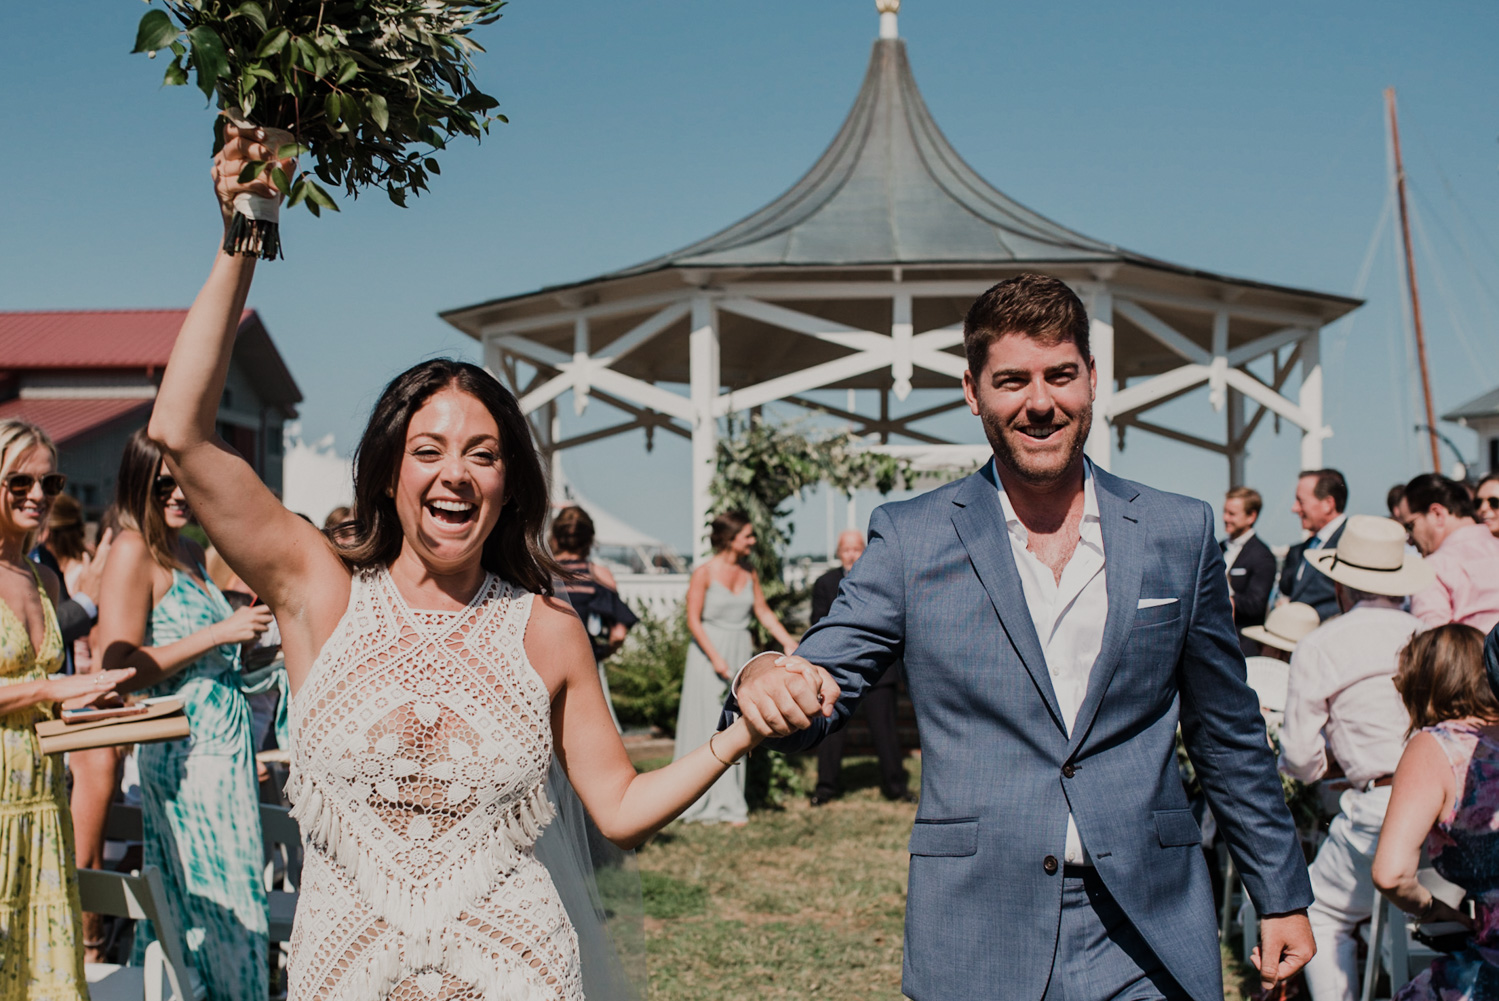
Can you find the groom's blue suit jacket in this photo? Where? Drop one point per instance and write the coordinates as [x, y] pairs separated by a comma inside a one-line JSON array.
[[938, 586]]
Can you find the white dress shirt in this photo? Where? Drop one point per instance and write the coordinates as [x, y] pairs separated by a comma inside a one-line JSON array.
[[1234, 547], [1068, 614], [1342, 695]]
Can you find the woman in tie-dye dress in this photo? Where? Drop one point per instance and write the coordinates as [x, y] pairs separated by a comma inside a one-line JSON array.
[[162, 615], [1446, 794]]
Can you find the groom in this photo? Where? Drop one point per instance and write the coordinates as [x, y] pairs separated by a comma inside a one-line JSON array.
[[1057, 624]]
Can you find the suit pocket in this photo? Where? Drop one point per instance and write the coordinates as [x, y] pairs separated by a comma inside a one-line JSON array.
[[1177, 828], [1157, 614], [944, 837]]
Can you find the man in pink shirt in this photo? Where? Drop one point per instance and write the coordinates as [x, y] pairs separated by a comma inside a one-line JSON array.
[[1439, 515]]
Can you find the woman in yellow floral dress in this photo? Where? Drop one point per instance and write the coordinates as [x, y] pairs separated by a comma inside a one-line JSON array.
[[41, 940]]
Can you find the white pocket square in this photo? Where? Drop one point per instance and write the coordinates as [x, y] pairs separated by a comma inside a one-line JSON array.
[[1155, 602]]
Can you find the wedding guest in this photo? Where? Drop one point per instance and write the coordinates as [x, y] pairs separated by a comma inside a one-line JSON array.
[[163, 615], [1446, 797], [591, 590], [95, 771], [1465, 555], [41, 935], [1321, 497], [722, 594], [1251, 564], [878, 705], [1343, 716], [1487, 499]]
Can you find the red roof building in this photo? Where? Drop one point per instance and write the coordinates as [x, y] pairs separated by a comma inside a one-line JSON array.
[[88, 378]]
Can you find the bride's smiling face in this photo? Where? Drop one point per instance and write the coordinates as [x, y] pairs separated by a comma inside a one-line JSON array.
[[450, 486]]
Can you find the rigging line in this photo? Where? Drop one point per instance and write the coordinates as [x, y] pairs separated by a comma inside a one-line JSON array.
[[1463, 210], [1455, 315], [1407, 337], [1455, 236], [1342, 331]]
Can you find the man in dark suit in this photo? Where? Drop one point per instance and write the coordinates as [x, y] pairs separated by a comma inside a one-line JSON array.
[[1321, 496], [1251, 564], [879, 703]]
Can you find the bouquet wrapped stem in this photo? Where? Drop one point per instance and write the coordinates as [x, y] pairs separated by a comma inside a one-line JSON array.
[[354, 87]]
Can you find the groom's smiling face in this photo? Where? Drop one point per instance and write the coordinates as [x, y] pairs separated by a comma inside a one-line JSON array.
[[1035, 398]]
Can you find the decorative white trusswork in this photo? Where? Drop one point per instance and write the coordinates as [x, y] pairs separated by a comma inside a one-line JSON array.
[[421, 742]]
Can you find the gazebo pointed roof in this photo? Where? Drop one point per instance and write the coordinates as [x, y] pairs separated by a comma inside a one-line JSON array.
[[890, 189]]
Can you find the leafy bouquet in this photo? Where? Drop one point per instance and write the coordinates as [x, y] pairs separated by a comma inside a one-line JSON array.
[[352, 84]]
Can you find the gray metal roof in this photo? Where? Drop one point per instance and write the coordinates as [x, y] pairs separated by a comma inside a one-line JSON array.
[[1486, 405], [889, 190]]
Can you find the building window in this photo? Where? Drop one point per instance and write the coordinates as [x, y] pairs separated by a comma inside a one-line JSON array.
[[1494, 455]]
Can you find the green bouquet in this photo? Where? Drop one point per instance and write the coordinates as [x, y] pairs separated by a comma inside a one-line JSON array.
[[366, 90]]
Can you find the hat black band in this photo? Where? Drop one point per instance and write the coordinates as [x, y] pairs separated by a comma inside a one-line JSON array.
[[1336, 559]]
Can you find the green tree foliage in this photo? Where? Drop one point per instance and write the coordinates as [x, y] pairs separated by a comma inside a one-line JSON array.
[[645, 676], [356, 82]]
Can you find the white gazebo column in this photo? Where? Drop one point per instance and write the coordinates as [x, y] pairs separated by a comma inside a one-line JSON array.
[[1236, 425], [1101, 341], [1310, 400], [704, 367]]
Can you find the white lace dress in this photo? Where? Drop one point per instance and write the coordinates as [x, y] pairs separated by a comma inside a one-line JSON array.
[[420, 743]]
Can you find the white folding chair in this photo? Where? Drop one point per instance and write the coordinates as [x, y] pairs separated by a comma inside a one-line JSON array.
[[283, 842], [1391, 942], [166, 976]]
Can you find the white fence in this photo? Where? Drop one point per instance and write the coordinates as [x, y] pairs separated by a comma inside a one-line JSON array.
[[661, 594]]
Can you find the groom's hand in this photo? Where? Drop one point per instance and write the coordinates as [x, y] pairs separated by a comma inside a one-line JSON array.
[[780, 695], [1285, 946]]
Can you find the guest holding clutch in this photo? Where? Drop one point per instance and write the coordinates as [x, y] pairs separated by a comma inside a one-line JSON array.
[[163, 616], [41, 950]]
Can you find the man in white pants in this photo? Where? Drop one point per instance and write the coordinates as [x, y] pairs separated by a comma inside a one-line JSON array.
[[1342, 703]]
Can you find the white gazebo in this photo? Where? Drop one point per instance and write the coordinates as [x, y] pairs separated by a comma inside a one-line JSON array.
[[858, 277]]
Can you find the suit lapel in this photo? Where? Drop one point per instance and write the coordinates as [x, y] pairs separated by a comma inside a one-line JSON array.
[[1123, 553], [980, 524]]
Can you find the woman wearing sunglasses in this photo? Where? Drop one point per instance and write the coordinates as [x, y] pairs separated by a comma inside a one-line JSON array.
[[162, 615], [41, 950], [1488, 502]]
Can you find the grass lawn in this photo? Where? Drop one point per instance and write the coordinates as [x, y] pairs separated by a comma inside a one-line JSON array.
[[801, 903]]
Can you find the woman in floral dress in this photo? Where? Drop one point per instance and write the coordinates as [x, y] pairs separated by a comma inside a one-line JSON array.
[[160, 614], [41, 937], [1446, 794]]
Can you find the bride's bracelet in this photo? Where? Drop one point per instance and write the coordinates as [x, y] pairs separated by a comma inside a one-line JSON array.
[[714, 751]]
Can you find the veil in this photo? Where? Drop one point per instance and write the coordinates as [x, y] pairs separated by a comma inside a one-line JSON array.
[[600, 888]]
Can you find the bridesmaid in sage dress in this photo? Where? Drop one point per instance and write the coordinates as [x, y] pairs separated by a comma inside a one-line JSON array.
[[721, 597]]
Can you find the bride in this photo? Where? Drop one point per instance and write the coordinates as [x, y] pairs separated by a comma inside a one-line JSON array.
[[433, 676]]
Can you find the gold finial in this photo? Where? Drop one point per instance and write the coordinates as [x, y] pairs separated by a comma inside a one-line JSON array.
[[888, 10]]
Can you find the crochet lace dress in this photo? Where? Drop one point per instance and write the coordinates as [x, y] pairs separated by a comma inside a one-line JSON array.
[[420, 743]]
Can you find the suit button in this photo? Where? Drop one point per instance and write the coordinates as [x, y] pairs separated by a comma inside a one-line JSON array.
[[1050, 865], [1068, 771]]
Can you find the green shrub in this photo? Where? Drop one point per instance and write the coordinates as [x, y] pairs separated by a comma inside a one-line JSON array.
[[645, 676]]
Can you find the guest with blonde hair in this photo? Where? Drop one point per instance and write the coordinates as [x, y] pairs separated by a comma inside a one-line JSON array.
[[41, 950]]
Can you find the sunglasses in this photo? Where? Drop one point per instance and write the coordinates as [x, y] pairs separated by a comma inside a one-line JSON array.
[[164, 486], [1492, 502], [20, 484]]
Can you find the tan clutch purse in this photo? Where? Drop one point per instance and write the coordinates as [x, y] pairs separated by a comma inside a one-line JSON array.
[[162, 720]]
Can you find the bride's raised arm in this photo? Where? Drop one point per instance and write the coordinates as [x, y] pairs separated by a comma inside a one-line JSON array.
[[277, 553]]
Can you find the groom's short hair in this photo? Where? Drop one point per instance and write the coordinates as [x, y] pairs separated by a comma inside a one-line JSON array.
[[1037, 306]]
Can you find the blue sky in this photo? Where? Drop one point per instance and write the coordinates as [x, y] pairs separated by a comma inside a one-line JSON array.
[[1246, 139]]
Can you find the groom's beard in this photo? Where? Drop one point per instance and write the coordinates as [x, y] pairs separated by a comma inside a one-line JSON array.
[[1038, 470]]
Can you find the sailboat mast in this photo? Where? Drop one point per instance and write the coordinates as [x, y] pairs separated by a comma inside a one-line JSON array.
[[1410, 277]]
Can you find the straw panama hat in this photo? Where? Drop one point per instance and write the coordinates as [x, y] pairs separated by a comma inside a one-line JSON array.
[[1371, 556], [1285, 626]]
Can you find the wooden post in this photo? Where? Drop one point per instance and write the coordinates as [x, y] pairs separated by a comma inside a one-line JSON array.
[[1101, 343], [706, 381], [1410, 277]]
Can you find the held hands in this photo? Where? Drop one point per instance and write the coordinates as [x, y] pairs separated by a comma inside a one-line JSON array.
[[721, 668], [243, 626], [779, 695], [243, 147], [78, 691], [1285, 946]]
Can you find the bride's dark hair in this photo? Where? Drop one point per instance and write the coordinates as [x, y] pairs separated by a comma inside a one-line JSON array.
[[514, 549]]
